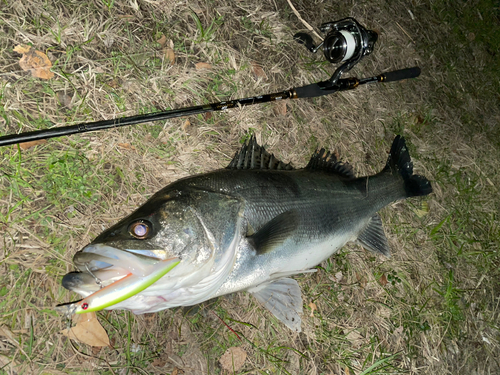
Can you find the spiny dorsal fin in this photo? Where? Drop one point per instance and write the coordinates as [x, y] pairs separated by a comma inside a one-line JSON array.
[[253, 156], [328, 162]]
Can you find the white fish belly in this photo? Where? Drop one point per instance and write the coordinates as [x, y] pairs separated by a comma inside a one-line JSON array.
[[296, 259], [252, 269]]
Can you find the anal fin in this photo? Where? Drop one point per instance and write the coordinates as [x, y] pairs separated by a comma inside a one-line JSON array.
[[373, 237], [283, 299]]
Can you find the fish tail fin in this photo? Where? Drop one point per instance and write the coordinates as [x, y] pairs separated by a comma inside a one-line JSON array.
[[400, 165]]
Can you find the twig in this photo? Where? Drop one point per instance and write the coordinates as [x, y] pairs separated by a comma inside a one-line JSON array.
[[309, 27], [408, 35]]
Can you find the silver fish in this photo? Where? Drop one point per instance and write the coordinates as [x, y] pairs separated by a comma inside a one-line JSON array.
[[248, 227]]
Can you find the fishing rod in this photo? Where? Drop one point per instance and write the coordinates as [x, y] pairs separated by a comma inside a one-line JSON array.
[[346, 42]]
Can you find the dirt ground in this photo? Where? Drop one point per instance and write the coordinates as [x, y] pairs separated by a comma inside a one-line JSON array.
[[432, 308]]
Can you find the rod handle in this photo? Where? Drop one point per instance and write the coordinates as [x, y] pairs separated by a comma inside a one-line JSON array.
[[398, 75]]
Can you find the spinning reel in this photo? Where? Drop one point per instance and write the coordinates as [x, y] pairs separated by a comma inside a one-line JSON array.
[[346, 42]]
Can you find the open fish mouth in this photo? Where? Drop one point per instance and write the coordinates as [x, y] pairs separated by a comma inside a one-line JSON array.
[[101, 265], [118, 291], [99, 256]]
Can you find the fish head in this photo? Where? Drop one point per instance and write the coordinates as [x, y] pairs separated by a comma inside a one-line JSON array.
[[165, 227]]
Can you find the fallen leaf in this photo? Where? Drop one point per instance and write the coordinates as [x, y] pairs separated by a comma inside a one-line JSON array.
[[208, 115], [159, 362], [87, 330], [114, 83], [233, 359], [258, 71], [202, 65], [186, 125], [35, 61], [279, 107], [383, 280], [127, 146], [313, 307], [162, 41], [26, 145], [169, 55]]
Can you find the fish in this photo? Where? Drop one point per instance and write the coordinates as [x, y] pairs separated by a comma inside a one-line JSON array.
[[248, 227]]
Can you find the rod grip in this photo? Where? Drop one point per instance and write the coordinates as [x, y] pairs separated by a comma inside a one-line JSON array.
[[398, 75], [311, 91]]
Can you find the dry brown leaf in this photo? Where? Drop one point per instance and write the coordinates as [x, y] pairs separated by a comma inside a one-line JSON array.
[[202, 65], [186, 125], [127, 146], [169, 55], [114, 83], [233, 359], [26, 145], [162, 41], [35, 61], [258, 71], [88, 331], [383, 280], [313, 307], [279, 108], [159, 362]]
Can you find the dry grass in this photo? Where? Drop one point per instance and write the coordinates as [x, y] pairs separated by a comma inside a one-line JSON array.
[[439, 313]]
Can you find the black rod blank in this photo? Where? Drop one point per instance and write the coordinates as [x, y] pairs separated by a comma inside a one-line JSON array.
[[308, 91]]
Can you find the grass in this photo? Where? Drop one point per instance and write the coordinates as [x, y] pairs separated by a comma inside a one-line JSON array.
[[431, 308]]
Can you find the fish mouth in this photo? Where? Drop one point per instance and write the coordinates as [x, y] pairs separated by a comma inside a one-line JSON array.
[[100, 265], [96, 257]]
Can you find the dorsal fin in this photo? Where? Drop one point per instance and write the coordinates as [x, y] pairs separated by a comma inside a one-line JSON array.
[[253, 156], [328, 162]]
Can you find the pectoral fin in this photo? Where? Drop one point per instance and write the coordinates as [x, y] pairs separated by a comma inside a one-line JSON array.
[[275, 232], [373, 237], [282, 298]]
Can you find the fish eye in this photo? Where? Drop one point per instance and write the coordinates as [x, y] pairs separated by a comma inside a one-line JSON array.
[[140, 229]]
